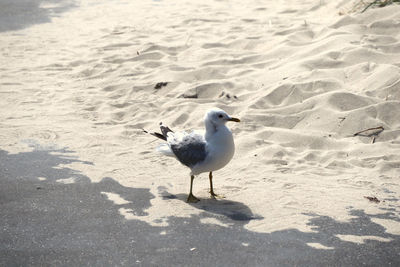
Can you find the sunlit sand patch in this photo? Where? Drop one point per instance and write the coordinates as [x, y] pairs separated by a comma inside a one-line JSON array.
[[157, 216], [297, 221], [117, 199], [392, 227], [66, 181], [361, 239], [213, 221], [129, 214], [318, 246]]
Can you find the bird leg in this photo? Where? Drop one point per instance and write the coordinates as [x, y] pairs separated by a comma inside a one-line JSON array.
[[191, 198], [213, 195]]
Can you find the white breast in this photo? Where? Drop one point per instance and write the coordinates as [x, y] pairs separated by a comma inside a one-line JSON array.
[[220, 150]]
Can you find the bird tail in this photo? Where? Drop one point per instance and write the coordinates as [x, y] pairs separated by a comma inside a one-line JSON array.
[[165, 150], [164, 132]]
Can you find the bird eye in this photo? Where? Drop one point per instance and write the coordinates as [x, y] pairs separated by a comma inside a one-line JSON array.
[[220, 116]]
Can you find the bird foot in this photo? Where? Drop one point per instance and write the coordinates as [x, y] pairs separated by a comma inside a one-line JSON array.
[[213, 195], [192, 199]]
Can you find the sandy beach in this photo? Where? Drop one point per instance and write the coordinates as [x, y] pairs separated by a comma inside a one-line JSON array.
[[315, 179]]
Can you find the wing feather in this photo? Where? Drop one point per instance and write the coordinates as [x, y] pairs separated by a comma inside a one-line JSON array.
[[189, 149]]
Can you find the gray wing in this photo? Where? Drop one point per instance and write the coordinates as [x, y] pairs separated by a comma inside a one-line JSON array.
[[190, 150]]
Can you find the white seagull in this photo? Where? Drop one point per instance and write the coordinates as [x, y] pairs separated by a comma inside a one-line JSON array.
[[206, 152]]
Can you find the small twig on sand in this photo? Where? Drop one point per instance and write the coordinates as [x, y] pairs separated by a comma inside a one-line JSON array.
[[369, 5], [370, 129], [380, 3], [374, 134]]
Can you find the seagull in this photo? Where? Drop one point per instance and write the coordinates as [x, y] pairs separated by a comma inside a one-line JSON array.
[[201, 152]]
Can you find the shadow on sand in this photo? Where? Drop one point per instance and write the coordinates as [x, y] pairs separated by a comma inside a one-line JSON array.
[[19, 14], [221, 208], [47, 222]]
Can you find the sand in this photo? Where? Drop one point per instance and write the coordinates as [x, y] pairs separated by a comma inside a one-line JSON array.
[[303, 77]]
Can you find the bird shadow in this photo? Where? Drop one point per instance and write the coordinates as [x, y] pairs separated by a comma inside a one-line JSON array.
[[221, 209]]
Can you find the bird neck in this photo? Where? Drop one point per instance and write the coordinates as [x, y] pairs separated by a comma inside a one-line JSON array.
[[212, 128]]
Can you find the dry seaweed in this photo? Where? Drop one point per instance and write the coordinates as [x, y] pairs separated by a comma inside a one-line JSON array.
[[160, 85], [372, 199], [380, 3]]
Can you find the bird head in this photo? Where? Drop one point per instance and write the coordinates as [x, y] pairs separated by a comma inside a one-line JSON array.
[[218, 117]]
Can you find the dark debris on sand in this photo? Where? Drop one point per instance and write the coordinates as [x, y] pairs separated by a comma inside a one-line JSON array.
[[160, 85], [372, 199]]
